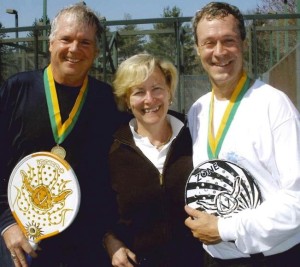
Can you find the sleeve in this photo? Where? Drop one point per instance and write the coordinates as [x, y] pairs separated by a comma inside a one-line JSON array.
[[192, 120], [276, 222], [6, 217]]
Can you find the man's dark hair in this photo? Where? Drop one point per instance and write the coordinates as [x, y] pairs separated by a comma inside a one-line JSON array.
[[219, 10]]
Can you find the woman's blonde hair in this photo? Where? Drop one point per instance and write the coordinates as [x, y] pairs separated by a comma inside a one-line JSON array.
[[137, 69]]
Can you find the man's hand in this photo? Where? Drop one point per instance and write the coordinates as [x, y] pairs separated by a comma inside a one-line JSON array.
[[18, 246], [204, 226]]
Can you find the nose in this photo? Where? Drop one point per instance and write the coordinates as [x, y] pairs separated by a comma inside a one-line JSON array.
[[148, 96], [73, 46], [219, 48]]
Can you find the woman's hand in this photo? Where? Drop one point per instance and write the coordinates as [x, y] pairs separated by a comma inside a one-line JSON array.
[[123, 257], [119, 254]]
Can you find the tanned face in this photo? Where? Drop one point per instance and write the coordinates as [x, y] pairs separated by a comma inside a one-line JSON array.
[[73, 50], [220, 49]]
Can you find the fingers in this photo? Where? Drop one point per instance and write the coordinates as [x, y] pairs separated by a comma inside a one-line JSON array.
[[192, 212], [18, 246], [131, 257], [13, 256], [18, 258], [123, 258], [26, 246]]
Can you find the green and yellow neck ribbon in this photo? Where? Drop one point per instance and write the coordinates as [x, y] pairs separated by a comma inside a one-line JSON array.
[[214, 144], [61, 130]]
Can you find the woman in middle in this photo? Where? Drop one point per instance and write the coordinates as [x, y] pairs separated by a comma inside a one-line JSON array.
[[150, 161]]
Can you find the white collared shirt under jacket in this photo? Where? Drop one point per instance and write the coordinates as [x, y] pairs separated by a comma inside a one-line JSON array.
[[264, 138]]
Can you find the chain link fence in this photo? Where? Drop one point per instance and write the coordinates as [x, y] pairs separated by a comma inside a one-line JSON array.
[[270, 39]]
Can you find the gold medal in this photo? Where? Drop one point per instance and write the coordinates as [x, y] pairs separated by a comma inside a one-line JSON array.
[[59, 151], [61, 130]]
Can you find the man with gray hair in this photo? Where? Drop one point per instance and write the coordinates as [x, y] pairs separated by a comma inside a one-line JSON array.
[[28, 125]]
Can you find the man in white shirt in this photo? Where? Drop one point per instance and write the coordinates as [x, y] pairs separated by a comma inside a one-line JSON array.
[[253, 125]]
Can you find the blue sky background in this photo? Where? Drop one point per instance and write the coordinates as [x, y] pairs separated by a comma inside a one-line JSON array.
[[28, 10]]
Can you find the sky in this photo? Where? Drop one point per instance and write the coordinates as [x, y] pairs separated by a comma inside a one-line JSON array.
[[29, 10]]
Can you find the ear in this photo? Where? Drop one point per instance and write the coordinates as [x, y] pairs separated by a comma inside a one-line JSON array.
[[170, 96]]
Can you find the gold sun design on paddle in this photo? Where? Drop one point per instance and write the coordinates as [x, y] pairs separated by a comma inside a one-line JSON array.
[[33, 230]]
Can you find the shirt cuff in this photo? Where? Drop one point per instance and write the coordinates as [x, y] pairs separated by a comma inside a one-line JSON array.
[[6, 220], [227, 229], [6, 228]]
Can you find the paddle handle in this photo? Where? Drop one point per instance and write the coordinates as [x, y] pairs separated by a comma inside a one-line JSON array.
[[28, 257], [33, 244]]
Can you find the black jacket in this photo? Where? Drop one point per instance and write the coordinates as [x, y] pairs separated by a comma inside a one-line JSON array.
[[151, 205]]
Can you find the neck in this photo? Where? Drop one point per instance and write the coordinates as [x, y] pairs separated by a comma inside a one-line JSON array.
[[224, 90], [158, 135], [68, 80], [222, 94]]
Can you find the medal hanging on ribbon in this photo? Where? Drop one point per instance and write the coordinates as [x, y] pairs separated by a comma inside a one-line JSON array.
[[59, 151], [214, 144], [61, 130]]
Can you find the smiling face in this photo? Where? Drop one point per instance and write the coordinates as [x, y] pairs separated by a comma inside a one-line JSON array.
[[73, 50], [220, 48], [149, 102]]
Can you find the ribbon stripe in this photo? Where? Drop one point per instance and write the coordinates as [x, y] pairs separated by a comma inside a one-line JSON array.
[[61, 131], [214, 144]]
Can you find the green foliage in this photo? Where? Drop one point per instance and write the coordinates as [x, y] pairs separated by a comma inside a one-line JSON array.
[[39, 33], [129, 43], [274, 45], [164, 44], [40, 22]]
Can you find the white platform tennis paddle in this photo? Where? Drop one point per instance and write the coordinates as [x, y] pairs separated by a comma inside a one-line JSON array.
[[43, 195]]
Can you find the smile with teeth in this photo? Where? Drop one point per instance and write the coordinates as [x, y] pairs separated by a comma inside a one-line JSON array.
[[148, 110], [73, 60], [222, 64]]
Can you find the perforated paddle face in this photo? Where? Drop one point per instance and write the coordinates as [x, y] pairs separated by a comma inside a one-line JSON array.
[[44, 195], [222, 188]]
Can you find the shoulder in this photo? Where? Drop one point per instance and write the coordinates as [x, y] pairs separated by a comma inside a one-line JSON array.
[[99, 90], [201, 101], [95, 84], [122, 135], [179, 125], [178, 115], [200, 106], [269, 97], [261, 89], [26, 77], [22, 82]]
